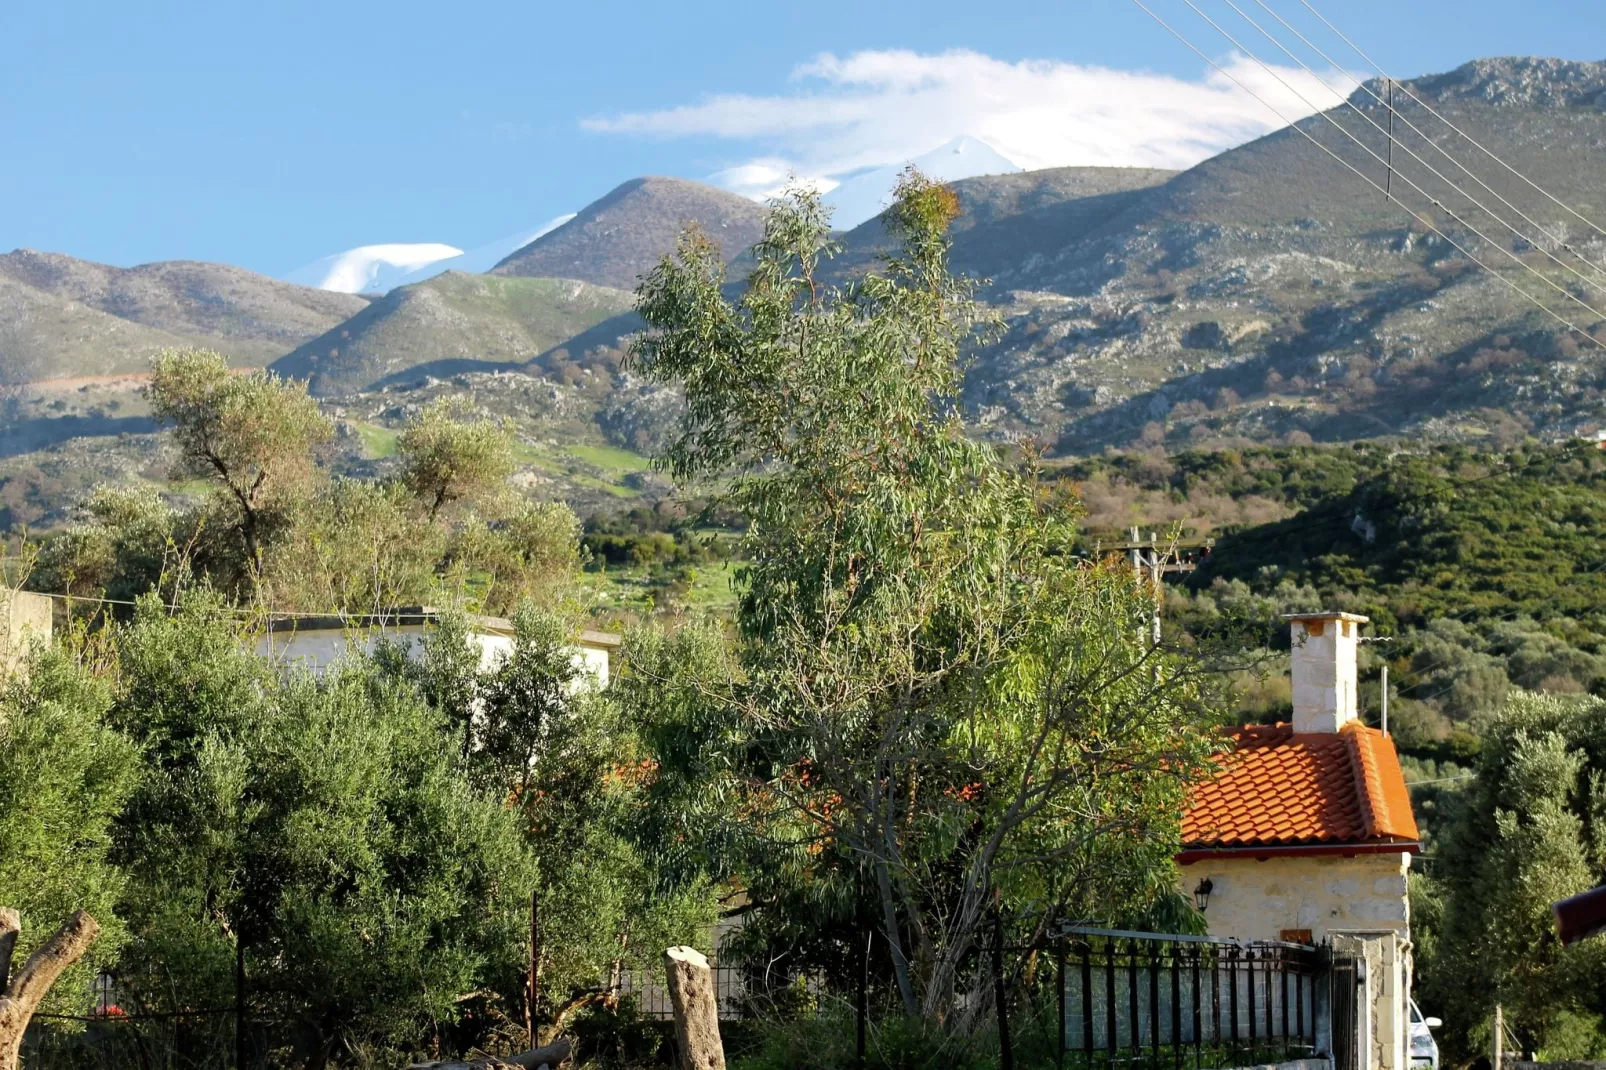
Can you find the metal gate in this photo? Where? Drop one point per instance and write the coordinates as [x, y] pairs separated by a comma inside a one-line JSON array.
[[1345, 978]]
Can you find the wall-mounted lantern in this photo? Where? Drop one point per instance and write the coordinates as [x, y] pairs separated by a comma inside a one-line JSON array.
[[1201, 894]]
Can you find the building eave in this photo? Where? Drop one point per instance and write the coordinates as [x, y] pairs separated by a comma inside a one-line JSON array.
[[1262, 852]]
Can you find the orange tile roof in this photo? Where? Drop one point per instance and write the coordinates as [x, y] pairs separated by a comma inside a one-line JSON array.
[[1282, 789]]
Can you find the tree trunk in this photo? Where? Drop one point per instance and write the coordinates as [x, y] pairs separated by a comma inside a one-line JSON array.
[[691, 989], [24, 992]]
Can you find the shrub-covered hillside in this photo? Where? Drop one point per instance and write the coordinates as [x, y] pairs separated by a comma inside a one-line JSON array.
[[1486, 570]]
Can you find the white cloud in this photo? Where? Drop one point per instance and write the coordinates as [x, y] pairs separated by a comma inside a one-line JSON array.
[[879, 108], [370, 268], [765, 177]]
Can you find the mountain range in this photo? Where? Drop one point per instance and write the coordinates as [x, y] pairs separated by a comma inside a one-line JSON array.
[[1316, 282]]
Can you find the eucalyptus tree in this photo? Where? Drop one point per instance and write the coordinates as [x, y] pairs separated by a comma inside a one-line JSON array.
[[928, 687]]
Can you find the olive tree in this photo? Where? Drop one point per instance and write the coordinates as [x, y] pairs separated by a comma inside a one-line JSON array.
[[449, 457], [1529, 831], [251, 435]]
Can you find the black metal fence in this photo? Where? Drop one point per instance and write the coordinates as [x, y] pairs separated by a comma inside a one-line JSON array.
[[1345, 973], [742, 993], [1128, 998]]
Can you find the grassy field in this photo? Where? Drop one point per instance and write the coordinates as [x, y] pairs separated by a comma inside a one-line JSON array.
[[597, 468], [704, 589], [377, 442]]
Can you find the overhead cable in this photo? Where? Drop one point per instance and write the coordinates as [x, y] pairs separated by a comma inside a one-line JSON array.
[[1537, 243], [1478, 145], [1530, 298], [1435, 202], [1420, 133]]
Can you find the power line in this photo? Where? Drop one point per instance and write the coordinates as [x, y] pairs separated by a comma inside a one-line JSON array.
[[1535, 242], [1476, 144], [1391, 83], [1432, 201], [1440, 780], [1306, 134]]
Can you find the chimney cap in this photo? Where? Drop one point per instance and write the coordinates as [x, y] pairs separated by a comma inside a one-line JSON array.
[[1334, 614]]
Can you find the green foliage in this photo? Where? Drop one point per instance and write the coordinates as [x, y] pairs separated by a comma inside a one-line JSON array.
[[321, 824], [1532, 830], [917, 653], [252, 435], [358, 546], [448, 459], [1451, 532], [535, 731], [65, 774], [278, 533], [119, 550]]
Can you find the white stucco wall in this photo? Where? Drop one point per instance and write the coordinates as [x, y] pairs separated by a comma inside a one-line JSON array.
[[317, 649], [26, 618]]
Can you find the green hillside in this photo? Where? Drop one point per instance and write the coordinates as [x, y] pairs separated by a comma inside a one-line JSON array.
[[450, 323], [64, 318], [1485, 569]]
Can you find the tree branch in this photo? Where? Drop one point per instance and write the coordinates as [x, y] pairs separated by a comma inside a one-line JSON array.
[[10, 928]]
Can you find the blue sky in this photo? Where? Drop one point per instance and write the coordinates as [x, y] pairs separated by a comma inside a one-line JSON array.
[[267, 135]]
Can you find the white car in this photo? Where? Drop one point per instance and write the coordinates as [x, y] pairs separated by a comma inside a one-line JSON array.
[[1424, 1049]]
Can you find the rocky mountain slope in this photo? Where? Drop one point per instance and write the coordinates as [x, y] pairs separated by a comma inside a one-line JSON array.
[[448, 324], [613, 241], [1267, 295], [1271, 291], [61, 317]]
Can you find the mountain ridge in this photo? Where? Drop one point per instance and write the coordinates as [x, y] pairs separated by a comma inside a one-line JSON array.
[[479, 321], [252, 318], [617, 238]]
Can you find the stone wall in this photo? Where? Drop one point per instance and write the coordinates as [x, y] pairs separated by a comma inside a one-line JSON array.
[[1252, 899]]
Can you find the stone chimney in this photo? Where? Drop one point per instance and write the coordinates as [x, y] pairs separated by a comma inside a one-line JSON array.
[[1324, 669]]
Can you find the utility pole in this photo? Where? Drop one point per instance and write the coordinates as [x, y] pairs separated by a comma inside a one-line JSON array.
[[1499, 1037], [1385, 704], [1154, 586], [1388, 178]]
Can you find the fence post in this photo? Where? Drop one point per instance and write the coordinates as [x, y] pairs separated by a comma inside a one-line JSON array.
[[1059, 973], [239, 1002], [1006, 1055]]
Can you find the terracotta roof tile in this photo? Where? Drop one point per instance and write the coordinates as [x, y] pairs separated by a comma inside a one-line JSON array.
[[1278, 788]]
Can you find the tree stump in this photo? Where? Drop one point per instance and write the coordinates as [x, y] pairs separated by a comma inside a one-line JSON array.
[[691, 990], [21, 995]]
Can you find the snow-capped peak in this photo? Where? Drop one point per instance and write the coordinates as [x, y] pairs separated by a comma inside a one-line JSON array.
[[370, 268], [864, 195], [378, 269]]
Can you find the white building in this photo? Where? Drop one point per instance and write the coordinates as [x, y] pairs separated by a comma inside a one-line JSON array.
[[317, 642]]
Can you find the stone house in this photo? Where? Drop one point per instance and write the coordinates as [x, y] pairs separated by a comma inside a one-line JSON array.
[[1306, 834], [315, 643]]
